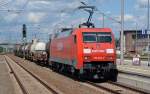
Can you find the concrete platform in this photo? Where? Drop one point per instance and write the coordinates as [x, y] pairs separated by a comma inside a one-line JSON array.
[[128, 66], [6, 84], [134, 75]]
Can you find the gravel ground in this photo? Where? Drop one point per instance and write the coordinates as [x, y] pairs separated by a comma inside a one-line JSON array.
[[62, 83]]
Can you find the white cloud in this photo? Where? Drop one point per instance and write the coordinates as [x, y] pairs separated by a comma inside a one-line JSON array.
[[10, 17], [141, 4], [77, 21], [55, 13], [130, 22], [38, 4], [35, 17], [127, 17]]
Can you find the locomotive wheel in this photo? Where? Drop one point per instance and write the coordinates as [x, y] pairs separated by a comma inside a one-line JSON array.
[[53, 66], [46, 63], [78, 75], [114, 75], [72, 70], [114, 78]]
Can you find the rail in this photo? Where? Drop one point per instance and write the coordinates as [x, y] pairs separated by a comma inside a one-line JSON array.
[[33, 75], [124, 86]]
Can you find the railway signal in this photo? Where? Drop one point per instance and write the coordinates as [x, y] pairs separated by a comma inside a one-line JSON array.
[[24, 38], [24, 31]]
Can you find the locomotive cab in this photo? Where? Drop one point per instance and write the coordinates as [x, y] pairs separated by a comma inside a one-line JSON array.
[[96, 53]]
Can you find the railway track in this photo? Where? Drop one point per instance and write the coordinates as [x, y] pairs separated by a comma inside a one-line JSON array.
[[118, 88], [24, 91], [134, 74], [110, 87], [23, 88], [139, 90]]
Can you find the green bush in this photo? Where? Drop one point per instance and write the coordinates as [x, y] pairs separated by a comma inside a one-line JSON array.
[[1, 49]]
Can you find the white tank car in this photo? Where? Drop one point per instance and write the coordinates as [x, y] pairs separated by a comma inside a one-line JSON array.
[[34, 42], [32, 49], [26, 47], [40, 52], [40, 46], [16, 49], [26, 50], [23, 48]]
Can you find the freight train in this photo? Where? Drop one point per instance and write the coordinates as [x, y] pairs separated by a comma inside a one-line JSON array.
[[34, 51], [85, 51]]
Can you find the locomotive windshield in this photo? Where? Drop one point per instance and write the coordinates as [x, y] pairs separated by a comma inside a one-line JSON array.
[[89, 38], [97, 37]]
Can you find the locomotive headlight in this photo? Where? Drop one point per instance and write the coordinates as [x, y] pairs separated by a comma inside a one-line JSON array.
[[85, 57], [109, 51], [86, 51]]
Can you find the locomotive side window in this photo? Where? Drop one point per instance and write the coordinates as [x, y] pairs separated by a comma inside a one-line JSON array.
[[97, 37], [75, 38]]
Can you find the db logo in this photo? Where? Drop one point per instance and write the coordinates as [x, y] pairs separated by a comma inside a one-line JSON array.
[[60, 46], [97, 46]]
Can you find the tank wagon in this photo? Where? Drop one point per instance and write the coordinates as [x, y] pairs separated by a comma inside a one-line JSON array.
[[20, 53], [35, 51], [16, 49], [26, 52], [40, 54], [32, 49]]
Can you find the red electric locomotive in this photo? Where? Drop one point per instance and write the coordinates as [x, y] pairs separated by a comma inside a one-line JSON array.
[[85, 51]]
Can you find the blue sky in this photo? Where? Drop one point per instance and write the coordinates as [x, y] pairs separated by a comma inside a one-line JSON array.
[[43, 17]]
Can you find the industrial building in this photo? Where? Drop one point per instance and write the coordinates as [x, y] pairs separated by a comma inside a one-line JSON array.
[[136, 41]]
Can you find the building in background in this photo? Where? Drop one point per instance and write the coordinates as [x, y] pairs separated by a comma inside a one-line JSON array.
[[135, 41]]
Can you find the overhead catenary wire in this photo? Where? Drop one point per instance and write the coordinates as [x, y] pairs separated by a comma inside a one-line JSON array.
[[109, 17], [104, 14], [4, 3], [22, 10]]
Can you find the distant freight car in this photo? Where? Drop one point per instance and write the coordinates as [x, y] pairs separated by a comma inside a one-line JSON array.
[[16, 49], [86, 52], [40, 54], [32, 49], [27, 50]]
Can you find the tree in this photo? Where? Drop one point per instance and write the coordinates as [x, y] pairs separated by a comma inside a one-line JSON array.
[[117, 42], [1, 49]]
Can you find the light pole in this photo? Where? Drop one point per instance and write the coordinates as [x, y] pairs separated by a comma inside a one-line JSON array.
[[148, 32], [136, 37], [122, 32], [103, 20]]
